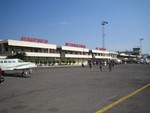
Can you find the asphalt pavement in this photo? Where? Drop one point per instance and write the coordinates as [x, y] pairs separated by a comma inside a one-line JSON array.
[[78, 90]]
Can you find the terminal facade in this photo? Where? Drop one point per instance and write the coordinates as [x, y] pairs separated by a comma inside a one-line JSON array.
[[38, 49]]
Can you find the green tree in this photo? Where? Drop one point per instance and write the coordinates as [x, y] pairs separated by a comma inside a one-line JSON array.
[[16, 54], [70, 61], [37, 61], [41, 62], [49, 62], [54, 62], [45, 62], [74, 61]]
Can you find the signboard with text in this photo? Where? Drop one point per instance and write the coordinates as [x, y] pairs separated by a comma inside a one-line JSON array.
[[37, 40], [102, 49], [75, 45]]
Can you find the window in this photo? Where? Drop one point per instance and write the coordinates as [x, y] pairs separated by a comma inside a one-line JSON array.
[[13, 61], [1, 61], [20, 61], [9, 61], [5, 61]]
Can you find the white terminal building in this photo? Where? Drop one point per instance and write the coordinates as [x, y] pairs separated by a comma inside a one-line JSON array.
[[35, 50]]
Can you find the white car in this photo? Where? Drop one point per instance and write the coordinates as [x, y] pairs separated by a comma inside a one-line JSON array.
[[118, 61]]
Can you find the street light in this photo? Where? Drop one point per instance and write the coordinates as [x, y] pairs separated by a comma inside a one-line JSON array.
[[141, 44], [103, 33]]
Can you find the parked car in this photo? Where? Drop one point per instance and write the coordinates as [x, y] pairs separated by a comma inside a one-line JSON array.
[[118, 61]]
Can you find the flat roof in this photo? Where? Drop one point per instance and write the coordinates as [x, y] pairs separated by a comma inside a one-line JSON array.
[[75, 49], [30, 44], [51, 46]]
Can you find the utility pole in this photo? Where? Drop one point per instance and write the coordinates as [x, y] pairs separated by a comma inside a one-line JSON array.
[[103, 33]]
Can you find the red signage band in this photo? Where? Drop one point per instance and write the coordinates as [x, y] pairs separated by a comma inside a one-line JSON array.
[[75, 45], [33, 40], [102, 49]]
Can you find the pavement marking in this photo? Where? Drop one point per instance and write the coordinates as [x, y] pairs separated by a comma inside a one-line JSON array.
[[122, 99], [109, 98], [97, 105]]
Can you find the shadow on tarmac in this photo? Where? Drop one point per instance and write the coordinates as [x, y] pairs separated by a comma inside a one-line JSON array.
[[18, 75]]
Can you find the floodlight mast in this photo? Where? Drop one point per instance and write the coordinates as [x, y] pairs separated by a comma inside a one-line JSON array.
[[141, 45], [103, 33]]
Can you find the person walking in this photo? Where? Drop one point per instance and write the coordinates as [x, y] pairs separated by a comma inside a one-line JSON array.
[[82, 65], [90, 65], [1, 77], [110, 64], [100, 65], [113, 64]]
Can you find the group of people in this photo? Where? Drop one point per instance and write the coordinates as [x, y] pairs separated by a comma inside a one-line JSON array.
[[111, 65]]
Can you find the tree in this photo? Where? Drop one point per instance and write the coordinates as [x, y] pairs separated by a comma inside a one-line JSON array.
[[74, 61], [54, 62], [45, 62], [70, 61], [16, 54], [49, 62], [37, 61]]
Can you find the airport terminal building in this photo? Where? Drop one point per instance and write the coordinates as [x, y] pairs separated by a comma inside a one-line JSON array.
[[39, 49]]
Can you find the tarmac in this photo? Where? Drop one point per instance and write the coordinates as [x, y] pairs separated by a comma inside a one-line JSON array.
[[126, 89]]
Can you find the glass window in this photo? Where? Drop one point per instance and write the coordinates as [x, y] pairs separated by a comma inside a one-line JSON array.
[[20, 61], [9, 61], [13, 61]]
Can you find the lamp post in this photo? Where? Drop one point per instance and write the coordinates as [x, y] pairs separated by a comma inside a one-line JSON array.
[[141, 45], [103, 33]]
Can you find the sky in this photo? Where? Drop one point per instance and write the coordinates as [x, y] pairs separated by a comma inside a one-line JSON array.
[[79, 22]]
